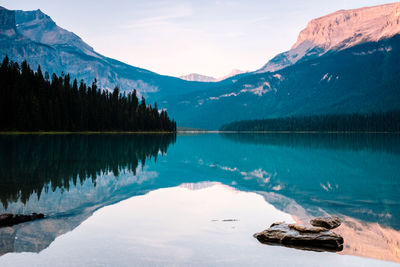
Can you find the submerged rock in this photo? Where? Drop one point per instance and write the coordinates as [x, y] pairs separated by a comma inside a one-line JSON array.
[[327, 222], [12, 219], [301, 237]]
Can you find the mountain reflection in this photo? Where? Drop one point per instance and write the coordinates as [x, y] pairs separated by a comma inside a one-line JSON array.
[[305, 175], [351, 174], [35, 163]]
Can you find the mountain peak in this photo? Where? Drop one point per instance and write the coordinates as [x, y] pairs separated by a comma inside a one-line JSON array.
[[231, 74], [346, 28], [195, 77], [40, 28], [340, 30]]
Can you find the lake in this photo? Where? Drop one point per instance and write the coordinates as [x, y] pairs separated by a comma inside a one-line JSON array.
[[196, 199]]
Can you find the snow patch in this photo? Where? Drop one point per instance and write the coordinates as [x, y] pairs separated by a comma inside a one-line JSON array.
[[328, 77], [370, 52], [260, 90]]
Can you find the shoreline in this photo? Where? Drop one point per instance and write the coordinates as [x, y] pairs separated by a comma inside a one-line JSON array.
[[83, 132], [289, 132], [190, 132]]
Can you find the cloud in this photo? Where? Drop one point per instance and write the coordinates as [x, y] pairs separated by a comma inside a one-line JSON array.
[[166, 16]]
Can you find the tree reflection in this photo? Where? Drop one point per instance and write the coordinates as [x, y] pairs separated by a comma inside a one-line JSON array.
[[36, 163], [389, 143]]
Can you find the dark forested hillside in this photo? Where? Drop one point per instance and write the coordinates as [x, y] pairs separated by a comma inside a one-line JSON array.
[[373, 122], [31, 101]]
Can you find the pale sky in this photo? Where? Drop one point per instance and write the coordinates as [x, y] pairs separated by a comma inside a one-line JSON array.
[[174, 37]]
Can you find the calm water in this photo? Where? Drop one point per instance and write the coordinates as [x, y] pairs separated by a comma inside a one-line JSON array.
[[137, 200]]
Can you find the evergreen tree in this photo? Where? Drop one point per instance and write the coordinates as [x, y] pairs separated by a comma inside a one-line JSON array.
[[30, 101]]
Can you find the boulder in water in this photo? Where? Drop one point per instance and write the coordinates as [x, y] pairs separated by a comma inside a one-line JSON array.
[[330, 222], [301, 237]]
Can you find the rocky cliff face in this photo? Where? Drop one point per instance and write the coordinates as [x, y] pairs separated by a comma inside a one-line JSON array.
[[40, 28], [346, 28], [340, 30], [7, 22]]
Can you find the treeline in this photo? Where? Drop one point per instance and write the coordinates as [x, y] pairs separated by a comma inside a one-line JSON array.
[[31, 102], [372, 122]]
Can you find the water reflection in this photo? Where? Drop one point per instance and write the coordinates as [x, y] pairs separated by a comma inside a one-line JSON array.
[[181, 226], [355, 175], [37, 163], [365, 239], [389, 143], [70, 177]]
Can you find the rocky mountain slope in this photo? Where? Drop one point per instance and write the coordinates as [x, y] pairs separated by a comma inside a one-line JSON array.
[[338, 31]]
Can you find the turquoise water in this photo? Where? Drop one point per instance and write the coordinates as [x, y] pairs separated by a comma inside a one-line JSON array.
[[137, 200]]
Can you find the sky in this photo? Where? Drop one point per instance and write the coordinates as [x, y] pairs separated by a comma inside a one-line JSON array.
[[174, 37]]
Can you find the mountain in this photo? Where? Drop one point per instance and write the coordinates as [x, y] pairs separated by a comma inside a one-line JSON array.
[[338, 31], [34, 36], [195, 77], [345, 62], [231, 74], [356, 75]]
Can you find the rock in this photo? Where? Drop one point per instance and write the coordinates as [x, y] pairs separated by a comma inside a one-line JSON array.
[[12, 219], [326, 222], [339, 30], [301, 237]]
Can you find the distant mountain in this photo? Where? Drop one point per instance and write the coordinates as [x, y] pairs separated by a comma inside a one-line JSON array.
[[231, 74], [340, 30], [34, 36], [194, 77]]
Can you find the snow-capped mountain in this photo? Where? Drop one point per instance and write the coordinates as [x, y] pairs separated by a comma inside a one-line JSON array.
[[233, 73], [195, 77], [338, 31]]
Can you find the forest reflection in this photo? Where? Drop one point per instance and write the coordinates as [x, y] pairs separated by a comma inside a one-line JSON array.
[[37, 163], [389, 143]]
